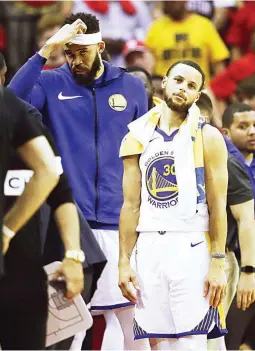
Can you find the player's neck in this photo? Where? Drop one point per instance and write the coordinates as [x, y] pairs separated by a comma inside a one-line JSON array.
[[171, 120], [248, 156]]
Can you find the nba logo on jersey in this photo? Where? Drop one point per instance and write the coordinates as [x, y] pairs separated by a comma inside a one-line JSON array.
[[161, 181]]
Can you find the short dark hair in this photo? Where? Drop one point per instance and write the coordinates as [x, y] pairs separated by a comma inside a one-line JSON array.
[[246, 88], [156, 76], [191, 64], [2, 61], [231, 110], [205, 103], [131, 69], [91, 21], [132, 56]]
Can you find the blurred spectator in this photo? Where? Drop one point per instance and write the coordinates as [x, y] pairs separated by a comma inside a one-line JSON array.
[[223, 15], [240, 33], [145, 77], [46, 28], [119, 21], [155, 9], [2, 38], [157, 85], [2, 29], [245, 91], [204, 8], [20, 20], [186, 36], [43, 7], [221, 12], [225, 83], [137, 54]]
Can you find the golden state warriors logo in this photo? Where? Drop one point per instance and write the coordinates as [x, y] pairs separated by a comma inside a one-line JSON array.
[[117, 102], [161, 182]]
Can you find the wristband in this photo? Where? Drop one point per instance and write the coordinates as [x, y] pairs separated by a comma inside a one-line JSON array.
[[248, 269], [8, 232], [219, 256]]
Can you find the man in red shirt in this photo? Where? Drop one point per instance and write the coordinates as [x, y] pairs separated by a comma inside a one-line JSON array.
[[224, 84]]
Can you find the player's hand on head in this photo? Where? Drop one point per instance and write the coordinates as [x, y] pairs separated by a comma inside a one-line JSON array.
[[127, 278], [72, 273], [216, 283], [67, 33], [245, 290]]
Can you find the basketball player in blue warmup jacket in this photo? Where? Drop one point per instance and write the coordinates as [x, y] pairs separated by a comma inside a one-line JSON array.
[[87, 104]]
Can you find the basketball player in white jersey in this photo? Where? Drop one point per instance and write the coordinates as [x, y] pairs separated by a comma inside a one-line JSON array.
[[178, 282]]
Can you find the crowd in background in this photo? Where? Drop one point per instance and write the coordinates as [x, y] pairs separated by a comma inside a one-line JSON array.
[[219, 35]]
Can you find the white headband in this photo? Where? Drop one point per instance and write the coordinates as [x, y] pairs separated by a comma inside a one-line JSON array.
[[87, 39]]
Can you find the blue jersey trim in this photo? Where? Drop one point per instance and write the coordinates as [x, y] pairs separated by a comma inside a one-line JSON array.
[[111, 307]]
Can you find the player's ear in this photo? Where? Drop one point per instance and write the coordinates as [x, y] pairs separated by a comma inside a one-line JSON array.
[[164, 82], [198, 96], [226, 132], [101, 47]]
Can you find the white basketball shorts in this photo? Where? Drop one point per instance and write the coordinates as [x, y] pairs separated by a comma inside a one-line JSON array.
[[171, 269], [108, 295]]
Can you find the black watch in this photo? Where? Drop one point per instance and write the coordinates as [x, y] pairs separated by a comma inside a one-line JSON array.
[[248, 269]]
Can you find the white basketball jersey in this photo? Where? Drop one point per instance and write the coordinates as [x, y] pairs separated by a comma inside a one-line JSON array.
[[159, 194]]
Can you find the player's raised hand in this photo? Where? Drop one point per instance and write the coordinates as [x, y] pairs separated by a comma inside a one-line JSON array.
[[66, 33], [63, 36], [216, 283], [127, 278]]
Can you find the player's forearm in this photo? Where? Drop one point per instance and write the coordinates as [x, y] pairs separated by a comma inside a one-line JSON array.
[[218, 227], [246, 234], [46, 51], [68, 224], [36, 192], [127, 232], [25, 78]]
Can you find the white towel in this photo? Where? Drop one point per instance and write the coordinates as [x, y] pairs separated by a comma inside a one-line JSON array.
[[185, 165], [142, 130]]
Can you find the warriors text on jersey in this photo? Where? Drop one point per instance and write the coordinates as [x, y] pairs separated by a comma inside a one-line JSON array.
[[159, 195]]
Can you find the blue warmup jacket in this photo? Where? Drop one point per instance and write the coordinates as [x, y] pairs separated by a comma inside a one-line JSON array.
[[88, 125]]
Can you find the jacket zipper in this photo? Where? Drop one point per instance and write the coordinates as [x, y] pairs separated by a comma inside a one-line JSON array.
[[96, 148]]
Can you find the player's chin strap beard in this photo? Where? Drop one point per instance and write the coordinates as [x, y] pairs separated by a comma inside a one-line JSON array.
[[88, 78], [88, 39]]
